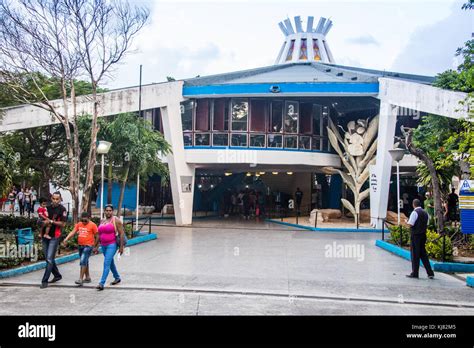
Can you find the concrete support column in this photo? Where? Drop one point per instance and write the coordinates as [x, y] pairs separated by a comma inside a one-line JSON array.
[[383, 165], [182, 175]]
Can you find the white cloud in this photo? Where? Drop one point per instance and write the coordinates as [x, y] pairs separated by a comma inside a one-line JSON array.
[[189, 38]]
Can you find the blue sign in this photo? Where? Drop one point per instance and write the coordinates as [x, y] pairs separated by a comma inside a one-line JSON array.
[[466, 206]]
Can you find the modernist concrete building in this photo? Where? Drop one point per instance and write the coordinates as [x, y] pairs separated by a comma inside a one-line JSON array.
[[268, 125]]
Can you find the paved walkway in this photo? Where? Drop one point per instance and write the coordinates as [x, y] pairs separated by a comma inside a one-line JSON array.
[[246, 268]]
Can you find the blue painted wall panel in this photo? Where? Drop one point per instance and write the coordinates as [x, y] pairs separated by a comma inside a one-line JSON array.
[[129, 198]]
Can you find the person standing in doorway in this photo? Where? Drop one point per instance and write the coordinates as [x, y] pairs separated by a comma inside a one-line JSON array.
[[418, 222], [57, 217]]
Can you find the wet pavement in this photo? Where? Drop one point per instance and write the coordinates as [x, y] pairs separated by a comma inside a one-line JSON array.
[[234, 267]]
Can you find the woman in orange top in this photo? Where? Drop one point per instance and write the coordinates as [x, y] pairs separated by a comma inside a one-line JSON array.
[[87, 238]]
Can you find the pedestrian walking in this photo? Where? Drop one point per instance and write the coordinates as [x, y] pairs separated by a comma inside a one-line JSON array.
[[453, 201], [418, 222], [298, 198], [11, 200], [112, 237], [34, 198], [87, 240], [27, 200], [20, 197], [57, 217]]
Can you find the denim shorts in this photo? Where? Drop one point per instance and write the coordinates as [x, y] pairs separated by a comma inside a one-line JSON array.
[[85, 252]]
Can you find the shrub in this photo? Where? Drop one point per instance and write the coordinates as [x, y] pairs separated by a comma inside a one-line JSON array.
[[434, 246], [395, 235], [9, 222]]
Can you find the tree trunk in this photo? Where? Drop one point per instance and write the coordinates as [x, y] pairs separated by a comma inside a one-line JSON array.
[[122, 190], [110, 184], [437, 197]]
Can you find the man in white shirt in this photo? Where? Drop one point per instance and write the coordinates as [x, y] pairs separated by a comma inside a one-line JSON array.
[[418, 222]]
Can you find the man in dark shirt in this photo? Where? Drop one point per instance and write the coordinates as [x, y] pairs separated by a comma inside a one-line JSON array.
[[418, 222], [57, 217], [453, 201]]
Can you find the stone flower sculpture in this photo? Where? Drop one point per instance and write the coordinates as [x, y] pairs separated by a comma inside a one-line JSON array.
[[357, 151]]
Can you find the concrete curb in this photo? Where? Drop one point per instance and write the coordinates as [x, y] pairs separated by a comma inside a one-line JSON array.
[[318, 229], [447, 267], [470, 281], [140, 218], [68, 258]]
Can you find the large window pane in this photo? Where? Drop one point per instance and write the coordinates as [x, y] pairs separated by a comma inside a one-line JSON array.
[[316, 143], [291, 117], [220, 139], [289, 55], [240, 112], [306, 122], [325, 146], [317, 116], [277, 117], [221, 115], [257, 140], [188, 139], [291, 141], [239, 140], [258, 115], [305, 142], [202, 139], [202, 115], [275, 140], [187, 108]]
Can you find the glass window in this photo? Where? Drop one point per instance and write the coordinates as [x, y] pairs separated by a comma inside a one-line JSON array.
[[202, 115], [257, 140], [317, 54], [324, 130], [220, 139], [157, 122], [221, 115], [275, 140], [239, 140], [306, 122], [258, 115], [202, 139], [188, 139], [316, 144], [325, 146], [187, 108], [290, 50], [303, 50], [291, 117], [240, 112], [277, 117], [305, 143], [291, 142], [317, 110]]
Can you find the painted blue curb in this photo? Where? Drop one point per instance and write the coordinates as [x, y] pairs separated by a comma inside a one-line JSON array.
[[470, 281], [328, 229], [447, 267], [67, 258]]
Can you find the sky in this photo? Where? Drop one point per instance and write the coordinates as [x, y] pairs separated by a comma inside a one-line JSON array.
[[188, 38]]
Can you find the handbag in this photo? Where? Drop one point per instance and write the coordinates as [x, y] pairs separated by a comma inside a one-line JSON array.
[[117, 236]]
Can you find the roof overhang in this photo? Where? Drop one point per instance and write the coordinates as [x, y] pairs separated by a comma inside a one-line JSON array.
[[282, 89]]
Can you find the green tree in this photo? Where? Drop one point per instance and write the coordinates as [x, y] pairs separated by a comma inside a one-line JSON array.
[[7, 167], [135, 149]]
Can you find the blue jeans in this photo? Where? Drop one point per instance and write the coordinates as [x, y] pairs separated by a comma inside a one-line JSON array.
[[109, 265], [50, 247], [84, 254]]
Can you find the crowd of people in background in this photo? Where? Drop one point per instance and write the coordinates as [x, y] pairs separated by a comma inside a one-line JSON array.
[[450, 205], [22, 200]]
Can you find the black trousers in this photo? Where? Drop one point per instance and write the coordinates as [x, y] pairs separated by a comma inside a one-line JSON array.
[[418, 252]]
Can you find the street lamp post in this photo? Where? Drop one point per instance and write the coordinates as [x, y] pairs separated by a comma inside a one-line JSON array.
[[102, 149], [397, 156]]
